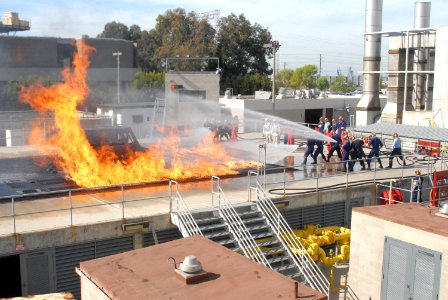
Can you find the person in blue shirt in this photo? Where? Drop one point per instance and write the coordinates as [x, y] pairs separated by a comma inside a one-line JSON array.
[[319, 150], [336, 146], [309, 150], [342, 123], [396, 151], [376, 144], [417, 185]]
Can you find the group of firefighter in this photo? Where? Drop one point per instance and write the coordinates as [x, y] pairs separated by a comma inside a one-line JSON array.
[[349, 148], [223, 129]]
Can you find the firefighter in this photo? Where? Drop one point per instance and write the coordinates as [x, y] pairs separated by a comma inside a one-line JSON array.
[[319, 150], [309, 150], [336, 146], [346, 157], [357, 152], [375, 143]]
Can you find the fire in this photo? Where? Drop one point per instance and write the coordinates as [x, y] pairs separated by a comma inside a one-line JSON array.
[[89, 167]]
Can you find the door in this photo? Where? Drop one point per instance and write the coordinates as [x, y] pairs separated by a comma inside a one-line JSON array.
[[410, 272], [37, 272]]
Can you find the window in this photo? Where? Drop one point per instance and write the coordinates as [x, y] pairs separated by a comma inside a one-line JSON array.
[[137, 119]]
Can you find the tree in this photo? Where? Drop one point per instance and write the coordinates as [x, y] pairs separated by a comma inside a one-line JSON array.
[[115, 30], [185, 35], [240, 48], [146, 49], [135, 33], [322, 83], [304, 77], [148, 80], [283, 78], [340, 85]]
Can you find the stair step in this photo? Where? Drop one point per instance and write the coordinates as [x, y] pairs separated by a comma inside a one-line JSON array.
[[216, 235], [254, 220], [258, 228], [278, 259], [261, 235], [272, 251], [274, 241], [284, 268], [229, 243], [216, 226], [208, 220]]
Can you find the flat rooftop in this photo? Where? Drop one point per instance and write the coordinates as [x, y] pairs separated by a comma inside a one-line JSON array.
[[409, 214], [146, 273]]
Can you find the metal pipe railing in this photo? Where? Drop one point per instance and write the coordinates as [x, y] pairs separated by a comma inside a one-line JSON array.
[[297, 252], [186, 220], [348, 175], [70, 207], [237, 227]]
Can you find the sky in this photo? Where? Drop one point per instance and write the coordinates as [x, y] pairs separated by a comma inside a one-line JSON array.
[[305, 29]]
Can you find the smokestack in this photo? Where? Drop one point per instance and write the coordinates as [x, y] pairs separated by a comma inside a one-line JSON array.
[[422, 15], [369, 106]]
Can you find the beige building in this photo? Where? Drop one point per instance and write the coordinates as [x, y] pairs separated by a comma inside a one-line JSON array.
[[399, 252]]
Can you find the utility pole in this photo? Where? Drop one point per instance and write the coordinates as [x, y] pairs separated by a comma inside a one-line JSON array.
[[320, 64], [118, 54]]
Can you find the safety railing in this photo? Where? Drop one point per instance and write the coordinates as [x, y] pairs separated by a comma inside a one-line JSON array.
[[240, 232], [297, 252], [187, 223], [278, 179], [71, 201], [411, 195]]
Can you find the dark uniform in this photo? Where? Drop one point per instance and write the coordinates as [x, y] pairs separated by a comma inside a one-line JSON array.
[[357, 152], [336, 146], [375, 143], [346, 157], [309, 149], [319, 150]]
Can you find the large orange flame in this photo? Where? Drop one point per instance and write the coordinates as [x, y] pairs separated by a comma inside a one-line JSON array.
[[89, 167]]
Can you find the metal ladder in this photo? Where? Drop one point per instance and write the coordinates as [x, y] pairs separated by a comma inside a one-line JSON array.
[[158, 116], [313, 276]]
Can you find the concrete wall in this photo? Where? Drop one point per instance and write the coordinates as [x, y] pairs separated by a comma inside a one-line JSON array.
[[366, 252], [195, 81], [127, 112]]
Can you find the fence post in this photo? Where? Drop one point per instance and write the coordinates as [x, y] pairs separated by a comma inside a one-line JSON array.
[[122, 201], [71, 207], [13, 214]]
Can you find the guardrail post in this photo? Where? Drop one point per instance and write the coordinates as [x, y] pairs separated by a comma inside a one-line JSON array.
[[284, 181], [13, 214], [170, 195], [346, 176], [122, 201], [71, 207], [374, 169], [402, 166]]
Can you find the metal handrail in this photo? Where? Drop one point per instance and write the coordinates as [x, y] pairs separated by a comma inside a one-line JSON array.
[[187, 222], [347, 174], [303, 261], [242, 235], [13, 201]]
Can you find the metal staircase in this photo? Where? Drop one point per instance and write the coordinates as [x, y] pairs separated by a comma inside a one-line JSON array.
[[158, 116], [256, 230]]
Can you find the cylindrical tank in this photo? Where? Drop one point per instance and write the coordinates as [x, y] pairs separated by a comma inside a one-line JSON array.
[[422, 13]]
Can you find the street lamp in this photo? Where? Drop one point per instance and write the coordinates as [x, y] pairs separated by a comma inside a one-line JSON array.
[[274, 47], [118, 54]]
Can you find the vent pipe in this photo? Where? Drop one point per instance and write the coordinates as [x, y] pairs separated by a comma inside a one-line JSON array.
[[369, 108], [422, 15]]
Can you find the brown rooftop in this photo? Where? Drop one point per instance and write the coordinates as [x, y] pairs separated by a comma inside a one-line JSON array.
[[147, 274], [409, 214]]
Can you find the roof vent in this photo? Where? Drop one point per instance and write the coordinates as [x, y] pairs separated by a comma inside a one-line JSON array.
[[190, 270], [190, 265]]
